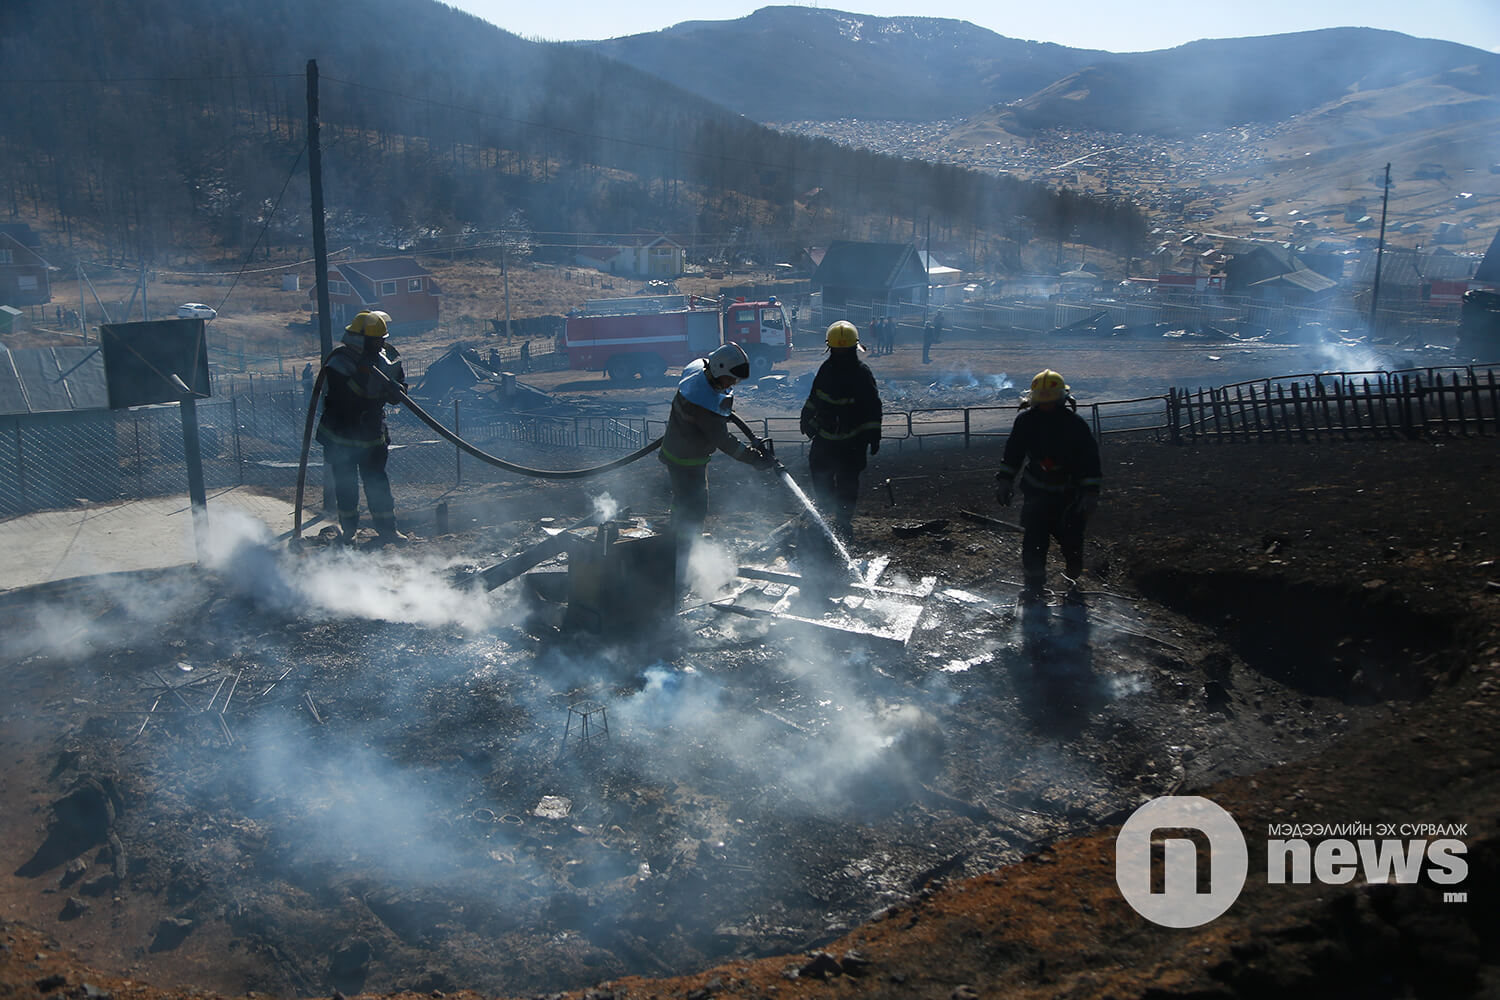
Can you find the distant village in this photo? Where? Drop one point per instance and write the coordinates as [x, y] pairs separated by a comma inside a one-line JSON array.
[[1166, 177]]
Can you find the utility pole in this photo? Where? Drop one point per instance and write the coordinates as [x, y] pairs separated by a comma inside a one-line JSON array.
[[315, 181], [320, 243], [1385, 199], [83, 311], [505, 278], [927, 271]]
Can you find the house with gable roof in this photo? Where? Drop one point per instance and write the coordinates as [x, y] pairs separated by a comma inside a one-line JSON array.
[[883, 275], [24, 279], [645, 255], [395, 285]]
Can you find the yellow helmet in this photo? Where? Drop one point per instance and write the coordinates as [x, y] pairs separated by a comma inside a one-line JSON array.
[[1048, 387], [843, 334], [370, 322]]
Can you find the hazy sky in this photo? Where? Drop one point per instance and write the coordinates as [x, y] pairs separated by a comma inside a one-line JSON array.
[[1090, 24]]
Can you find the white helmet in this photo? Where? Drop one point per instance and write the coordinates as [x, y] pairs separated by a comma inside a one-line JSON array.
[[729, 360]]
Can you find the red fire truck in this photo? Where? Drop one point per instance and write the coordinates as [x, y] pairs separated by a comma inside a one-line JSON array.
[[643, 336]]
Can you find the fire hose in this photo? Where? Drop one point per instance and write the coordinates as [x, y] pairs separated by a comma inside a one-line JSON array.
[[446, 434]]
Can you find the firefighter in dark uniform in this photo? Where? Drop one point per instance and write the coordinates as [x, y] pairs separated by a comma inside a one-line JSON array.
[[842, 417], [697, 427], [1053, 450], [352, 431]]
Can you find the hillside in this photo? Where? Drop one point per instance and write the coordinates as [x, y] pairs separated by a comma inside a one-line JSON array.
[[1210, 85], [177, 132], [784, 63], [831, 64]]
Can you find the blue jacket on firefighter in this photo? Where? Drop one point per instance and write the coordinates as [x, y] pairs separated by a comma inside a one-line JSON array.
[[697, 427]]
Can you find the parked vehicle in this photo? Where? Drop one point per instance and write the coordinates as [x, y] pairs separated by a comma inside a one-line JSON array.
[[195, 310], [643, 336]]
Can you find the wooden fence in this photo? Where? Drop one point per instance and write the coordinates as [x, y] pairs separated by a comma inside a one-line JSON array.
[[1413, 403]]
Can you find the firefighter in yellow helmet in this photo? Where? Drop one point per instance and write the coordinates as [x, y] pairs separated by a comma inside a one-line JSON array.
[[1053, 451], [352, 431], [842, 417]]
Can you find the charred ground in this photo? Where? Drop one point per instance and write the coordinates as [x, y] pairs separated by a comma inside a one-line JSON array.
[[1298, 631]]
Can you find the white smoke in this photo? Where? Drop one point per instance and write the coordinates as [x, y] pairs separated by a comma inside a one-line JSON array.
[[606, 506], [381, 584], [108, 611], [710, 568]]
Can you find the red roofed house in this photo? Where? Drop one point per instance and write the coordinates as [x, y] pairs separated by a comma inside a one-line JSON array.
[[396, 285]]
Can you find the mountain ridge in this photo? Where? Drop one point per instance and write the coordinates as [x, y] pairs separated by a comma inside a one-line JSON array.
[[831, 64]]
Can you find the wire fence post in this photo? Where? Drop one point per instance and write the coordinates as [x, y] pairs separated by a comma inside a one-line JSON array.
[[966, 427], [234, 419], [140, 469], [21, 467]]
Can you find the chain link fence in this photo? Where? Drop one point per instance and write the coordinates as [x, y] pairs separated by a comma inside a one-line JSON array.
[[59, 460]]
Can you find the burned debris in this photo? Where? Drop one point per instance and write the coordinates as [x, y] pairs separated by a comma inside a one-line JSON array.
[[608, 775]]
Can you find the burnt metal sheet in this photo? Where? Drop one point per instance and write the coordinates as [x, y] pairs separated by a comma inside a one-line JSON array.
[[887, 614]]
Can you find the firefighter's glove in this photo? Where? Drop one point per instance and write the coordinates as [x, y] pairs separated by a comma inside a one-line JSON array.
[[875, 447], [1086, 504], [1005, 493], [809, 429], [759, 459]]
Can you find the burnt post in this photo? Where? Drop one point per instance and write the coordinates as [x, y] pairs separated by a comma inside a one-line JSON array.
[[193, 456]]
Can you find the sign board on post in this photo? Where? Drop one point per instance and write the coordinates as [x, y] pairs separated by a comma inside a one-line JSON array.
[[141, 358], [163, 361]]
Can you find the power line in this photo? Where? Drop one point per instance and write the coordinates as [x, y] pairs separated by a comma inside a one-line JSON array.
[[106, 81], [249, 256]]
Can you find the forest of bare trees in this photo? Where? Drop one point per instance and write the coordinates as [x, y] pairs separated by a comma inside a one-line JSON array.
[[180, 128]]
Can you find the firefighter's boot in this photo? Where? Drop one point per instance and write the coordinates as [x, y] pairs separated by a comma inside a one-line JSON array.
[[385, 528]]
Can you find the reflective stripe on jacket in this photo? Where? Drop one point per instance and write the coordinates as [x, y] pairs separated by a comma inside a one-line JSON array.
[[1055, 448], [844, 402], [355, 397]]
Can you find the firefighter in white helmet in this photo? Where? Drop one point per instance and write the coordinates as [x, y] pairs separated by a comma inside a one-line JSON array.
[[697, 427], [353, 431], [1054, 453], [842, 416]]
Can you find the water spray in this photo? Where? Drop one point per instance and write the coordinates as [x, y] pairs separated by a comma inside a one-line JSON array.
[[802, 498]]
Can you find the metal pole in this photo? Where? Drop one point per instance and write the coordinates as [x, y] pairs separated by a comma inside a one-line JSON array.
[[234, 417], [20, 464], [505, 276], [320, 243], [194, 459], [1385, 199], [145, 316], [83, 312]]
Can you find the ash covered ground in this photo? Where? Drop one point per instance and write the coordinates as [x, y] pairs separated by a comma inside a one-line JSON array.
[[388, 801]]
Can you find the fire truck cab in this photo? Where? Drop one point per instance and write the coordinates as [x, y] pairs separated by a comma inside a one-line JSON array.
[[761, 328]]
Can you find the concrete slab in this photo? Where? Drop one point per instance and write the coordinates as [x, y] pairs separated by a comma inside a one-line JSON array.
[[122, 537]]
